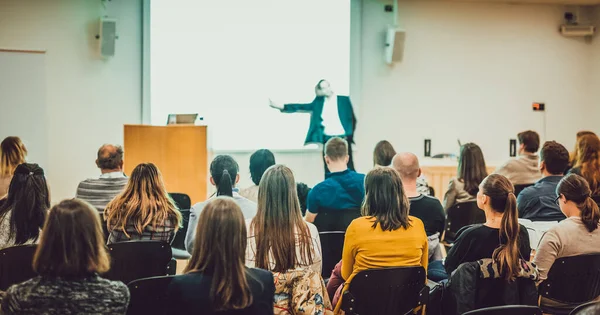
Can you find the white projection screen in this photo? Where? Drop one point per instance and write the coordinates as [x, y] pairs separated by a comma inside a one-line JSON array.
[[225, 59]]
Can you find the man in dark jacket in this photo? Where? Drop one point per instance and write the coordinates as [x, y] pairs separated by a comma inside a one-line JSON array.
[[331, 116]]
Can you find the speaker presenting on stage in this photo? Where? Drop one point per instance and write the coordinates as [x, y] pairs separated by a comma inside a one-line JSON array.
[[331, 116]]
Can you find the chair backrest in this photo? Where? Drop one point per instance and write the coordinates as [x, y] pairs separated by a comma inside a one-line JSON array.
[[573, 279], [179, 240], [182, 201], [332, 244], [507, 309], [335, 219], [138, 259], [519, 188], [461, 215], [587, 309], [16, 265], [149, 296], [386, 291], [596, 199]]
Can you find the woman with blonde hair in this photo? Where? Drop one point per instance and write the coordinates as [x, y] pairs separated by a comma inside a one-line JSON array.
[[12, 153], [587, 161], [215, 279], [144, 210], [68, 260]]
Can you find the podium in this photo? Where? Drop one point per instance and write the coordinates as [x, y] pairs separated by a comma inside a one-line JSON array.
[[179, 151]]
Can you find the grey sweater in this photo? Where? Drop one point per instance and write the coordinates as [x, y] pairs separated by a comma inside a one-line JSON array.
[[522, 170]]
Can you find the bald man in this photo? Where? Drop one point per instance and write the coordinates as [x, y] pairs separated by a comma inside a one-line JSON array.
[[100, 191]]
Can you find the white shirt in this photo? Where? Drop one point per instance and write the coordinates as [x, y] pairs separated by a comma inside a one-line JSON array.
[[113, 175], [331, 118]]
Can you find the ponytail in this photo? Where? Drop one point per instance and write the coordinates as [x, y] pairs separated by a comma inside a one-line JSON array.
[[576, 189], [225, 186], [507, 255], [590, 214]]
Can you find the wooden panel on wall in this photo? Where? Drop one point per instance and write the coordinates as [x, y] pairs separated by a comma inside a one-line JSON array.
[[180, 152], [438, 177]]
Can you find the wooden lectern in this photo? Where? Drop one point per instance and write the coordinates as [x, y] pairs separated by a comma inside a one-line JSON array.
[[179, 151]]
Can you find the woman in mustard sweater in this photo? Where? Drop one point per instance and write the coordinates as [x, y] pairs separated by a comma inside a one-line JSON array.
[[386, 236]]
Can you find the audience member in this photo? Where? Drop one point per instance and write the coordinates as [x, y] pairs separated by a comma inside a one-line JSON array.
[[68, 260], [386, 236], [383, 153], [100, 191], [573, 154], [224, 174], [536, 203], [501, 237], [144, 210], [23, 213], [260, 161], [524, 169], [216, 280], [427, 209], [303, 190], [588, 161], [343, 189], [278, 238], [471, 171], [12, 153]]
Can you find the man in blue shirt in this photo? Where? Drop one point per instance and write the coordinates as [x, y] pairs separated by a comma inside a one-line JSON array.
[[343, 189], [538, 202]]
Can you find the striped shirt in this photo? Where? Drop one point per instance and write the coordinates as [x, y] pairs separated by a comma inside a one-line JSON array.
[[100, 191], [164, 232]]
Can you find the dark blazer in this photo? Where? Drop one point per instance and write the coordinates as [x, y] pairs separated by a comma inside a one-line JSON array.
[[190, 294], [315, 130]]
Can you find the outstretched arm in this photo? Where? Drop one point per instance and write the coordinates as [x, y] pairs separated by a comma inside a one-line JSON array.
[[292, 108]]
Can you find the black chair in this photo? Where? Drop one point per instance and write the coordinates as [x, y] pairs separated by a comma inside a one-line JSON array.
[[16, 265], [182, 201], [149, 296], [587, 309], [431, 191], [139, 259], [459, 216], [519, 188], [507, 309], [572, 280], [332, 244], [335, 220], [178, 244], [386, 291]]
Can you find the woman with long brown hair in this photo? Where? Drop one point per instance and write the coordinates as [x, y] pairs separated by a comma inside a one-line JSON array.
[[587, 161], [144, 210], [215, 279], [501, 237], [12, 153], [471, 171], [68, 260], [580, 134]]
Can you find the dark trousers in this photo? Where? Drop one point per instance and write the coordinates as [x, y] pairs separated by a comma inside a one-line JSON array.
[[350, 161]]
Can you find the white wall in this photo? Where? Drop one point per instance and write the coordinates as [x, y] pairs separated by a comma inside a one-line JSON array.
[[594, 84], [88, 99]]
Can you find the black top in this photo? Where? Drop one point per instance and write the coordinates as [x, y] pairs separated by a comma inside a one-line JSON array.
[[479, 241], [537, 202], [190, 294], [430, 211]]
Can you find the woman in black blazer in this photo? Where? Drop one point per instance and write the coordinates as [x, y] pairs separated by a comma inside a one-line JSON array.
[[216, 280]]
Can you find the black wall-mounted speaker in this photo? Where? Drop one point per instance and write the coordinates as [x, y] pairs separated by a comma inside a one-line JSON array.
[[513, 147], [427, 151]]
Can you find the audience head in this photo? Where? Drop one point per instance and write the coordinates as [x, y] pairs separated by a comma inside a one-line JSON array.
[[336, 154], [12, 153], [383, 153], [497, 196], [588, 160], [407, 165], [260, 161], [302, 190], [529, 141], [278, 224], [28, 201], [224, 174], [323, 88], [110, 158], [143, 202], [72, 242], [579, 136], [385, 199], [575, 199], [554, 158], [471, 167], [219, 250]]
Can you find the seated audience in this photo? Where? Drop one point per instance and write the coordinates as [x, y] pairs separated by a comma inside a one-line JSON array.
[[303, 190], [573, 154], [536, 203], [216, 280], [224, 174], [471, 171], [260, 161], [587, 163], [23, 213], [524, 169], [343, 189], [386, 236], [427, 209], [383, 153], [68, 260], [12, 153], [144, 211], [501, 237], [100, 191]]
